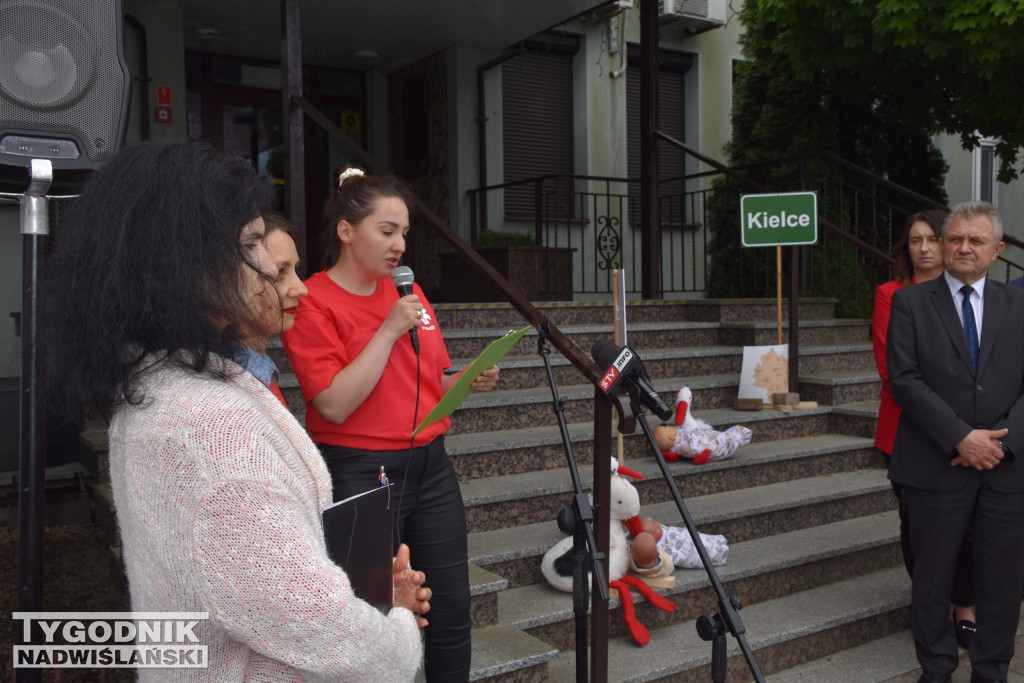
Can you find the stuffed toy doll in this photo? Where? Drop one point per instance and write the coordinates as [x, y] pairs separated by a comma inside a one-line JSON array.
[[556, 565], [637, 549], [695, 439], [674, 543]]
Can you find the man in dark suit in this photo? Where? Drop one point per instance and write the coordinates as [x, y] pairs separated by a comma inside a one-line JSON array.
[[962, 423]]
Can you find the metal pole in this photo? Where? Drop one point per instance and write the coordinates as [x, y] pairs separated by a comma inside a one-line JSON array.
[[602, 500], [650, 229], [35, 220], [294, 139]]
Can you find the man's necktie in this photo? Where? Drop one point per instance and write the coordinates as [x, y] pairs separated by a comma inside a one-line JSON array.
[[970, 324]]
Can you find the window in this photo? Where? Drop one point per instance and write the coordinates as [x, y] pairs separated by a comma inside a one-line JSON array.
[[671, 162], [537, 129], [986, 168]]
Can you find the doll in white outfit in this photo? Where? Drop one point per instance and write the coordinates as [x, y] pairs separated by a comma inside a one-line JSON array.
[[695, 439]]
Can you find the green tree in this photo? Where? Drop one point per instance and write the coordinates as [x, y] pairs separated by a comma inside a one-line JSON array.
[[924, 65], [871, 81]]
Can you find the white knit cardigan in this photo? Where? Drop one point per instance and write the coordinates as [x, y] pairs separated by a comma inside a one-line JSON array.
[[218, 492]]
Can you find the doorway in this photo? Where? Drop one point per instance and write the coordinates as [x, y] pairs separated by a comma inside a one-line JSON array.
[[236, 103]]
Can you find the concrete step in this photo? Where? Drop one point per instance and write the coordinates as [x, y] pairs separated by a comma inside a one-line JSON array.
[[812, 331], [515, 450], [758, 571], [455, 316], [484, 587], [880, 659], [527, 449], [855, 419], [503, 654], [104, 514], [93, 441], [821, 371], [467, 343], [804, 626], [840, 386], [524, 372], [530, 497], [506, 409], [709, 392], [515, 552]]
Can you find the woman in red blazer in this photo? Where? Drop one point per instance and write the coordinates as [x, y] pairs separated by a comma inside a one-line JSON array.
[[917, 258]]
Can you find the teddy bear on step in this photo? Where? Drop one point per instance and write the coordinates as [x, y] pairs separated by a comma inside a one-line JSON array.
[[695, 439]]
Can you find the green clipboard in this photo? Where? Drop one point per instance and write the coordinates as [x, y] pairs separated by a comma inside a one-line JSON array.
[[454, 397]]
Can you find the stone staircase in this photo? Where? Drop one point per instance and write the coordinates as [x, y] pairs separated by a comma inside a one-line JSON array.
[[806, 507]]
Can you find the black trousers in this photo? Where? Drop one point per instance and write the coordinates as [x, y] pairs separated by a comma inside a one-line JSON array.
[[431, 520], [962, 594], [939, 520]]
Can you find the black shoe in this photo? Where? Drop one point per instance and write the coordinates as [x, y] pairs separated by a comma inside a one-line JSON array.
[[935, 678], [987, 680], [965, 630]]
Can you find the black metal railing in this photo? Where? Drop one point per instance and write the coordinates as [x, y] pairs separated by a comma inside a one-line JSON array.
[[598, 217], [860, 215]]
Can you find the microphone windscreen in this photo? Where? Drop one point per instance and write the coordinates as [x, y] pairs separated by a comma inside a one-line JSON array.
[[402, 277], [604, 352]]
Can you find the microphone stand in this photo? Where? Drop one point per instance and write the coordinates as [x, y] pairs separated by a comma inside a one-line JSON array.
[[35, 227], [576, 519], [711, 628]]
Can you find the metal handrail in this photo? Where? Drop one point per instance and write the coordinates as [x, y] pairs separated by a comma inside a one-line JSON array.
[[873, 204], [759, 187]]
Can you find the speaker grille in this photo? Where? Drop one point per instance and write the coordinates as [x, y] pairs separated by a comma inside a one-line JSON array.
[[61, 71]]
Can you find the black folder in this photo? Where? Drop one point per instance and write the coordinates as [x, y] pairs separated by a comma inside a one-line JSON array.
[[358, 531]]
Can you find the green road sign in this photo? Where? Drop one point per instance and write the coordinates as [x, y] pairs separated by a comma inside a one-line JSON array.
[[768, 220]]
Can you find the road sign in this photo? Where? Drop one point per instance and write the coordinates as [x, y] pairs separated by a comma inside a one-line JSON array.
[[769, 220]]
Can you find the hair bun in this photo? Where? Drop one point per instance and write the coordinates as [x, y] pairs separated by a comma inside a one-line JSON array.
[[350, 173]]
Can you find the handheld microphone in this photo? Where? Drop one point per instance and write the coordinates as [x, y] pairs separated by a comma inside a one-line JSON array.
[[402, 277], [624, 371]]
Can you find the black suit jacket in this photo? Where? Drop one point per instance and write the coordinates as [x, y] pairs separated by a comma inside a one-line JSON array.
[[933, 381]]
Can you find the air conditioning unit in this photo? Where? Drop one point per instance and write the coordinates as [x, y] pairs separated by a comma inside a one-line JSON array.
[[696, 15]]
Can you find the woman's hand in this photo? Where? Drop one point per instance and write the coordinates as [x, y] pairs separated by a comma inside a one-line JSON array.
[[485, 382], [406, 314], [409, 590], [487, 379]]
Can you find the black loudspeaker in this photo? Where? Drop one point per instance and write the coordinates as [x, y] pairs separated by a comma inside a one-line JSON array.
[[64, 88]]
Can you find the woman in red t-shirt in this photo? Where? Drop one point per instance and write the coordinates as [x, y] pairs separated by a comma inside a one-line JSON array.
[[366, 389]]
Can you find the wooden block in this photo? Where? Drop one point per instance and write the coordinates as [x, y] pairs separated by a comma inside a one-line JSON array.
[[806, 405], [786, 398], [748, 404], [782, 407]]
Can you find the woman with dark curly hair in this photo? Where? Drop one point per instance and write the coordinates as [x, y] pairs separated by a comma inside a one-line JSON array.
[[155, 306], [917, 257]]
